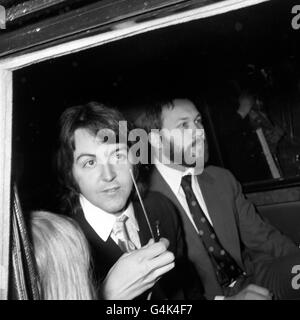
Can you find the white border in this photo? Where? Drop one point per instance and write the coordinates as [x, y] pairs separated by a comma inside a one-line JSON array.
[[8, 65]]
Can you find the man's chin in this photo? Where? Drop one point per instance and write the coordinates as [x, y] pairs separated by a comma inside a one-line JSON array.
[[189, 164], [114, 206], [196, 163]]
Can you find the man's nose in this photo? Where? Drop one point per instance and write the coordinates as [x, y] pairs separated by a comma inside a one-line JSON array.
[[108, 173], [196, 127], [198, 131]]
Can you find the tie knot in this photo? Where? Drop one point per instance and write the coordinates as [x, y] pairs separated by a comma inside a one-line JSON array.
[[119, 225], [186, 181], [186, 184], [124, 234], [123, 218]]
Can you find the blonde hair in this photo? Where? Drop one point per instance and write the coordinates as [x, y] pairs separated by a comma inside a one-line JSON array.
[[62, 257]]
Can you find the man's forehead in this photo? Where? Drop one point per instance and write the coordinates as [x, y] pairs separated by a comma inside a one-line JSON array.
[[182, 108], [84, 139], [83, 134]]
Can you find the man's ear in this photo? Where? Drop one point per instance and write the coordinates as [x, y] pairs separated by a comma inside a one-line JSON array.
[[155, 139]]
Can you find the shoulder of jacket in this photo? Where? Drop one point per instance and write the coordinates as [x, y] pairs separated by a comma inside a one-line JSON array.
[[217, 171]]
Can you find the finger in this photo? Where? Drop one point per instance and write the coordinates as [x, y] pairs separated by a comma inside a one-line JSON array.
[[150, 242], [259, 290], [157, 273], [162, 260], [165, 241], [155, 249]]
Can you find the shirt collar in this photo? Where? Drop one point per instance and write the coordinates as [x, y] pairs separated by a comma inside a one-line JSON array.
[[101, 221], [172, 176]]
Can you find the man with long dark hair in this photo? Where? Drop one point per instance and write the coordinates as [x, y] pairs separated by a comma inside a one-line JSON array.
[[97, 178]]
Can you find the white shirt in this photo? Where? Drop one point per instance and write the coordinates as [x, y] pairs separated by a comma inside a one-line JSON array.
[[102, 222], [173, 178]]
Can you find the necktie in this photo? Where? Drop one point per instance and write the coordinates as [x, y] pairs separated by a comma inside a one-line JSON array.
[[121, 233], [226, 268]]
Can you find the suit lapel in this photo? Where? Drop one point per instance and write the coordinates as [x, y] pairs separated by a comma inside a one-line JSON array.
[[159, 184], [221, 214]]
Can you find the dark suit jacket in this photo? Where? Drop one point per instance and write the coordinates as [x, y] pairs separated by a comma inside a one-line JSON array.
[[180, 283], [242, 232]]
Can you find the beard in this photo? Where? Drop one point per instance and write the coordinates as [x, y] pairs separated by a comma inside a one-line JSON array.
[[182, 157]]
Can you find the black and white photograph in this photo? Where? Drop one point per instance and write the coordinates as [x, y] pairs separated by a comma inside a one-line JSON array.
[[150, 152]]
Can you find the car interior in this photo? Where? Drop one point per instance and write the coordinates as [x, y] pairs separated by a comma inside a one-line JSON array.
[[209, 60], [250, 54]]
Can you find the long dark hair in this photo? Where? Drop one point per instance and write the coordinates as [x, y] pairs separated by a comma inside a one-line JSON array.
[[93, 117]]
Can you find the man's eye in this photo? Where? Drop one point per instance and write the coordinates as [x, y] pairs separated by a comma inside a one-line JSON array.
[[118, 156], [121, 156], [198, 121], [184, 125], [89, 164]]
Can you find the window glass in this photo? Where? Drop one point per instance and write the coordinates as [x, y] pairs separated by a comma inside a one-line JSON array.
[[257, 122]]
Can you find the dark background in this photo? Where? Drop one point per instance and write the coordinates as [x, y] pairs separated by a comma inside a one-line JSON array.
[[196, 59]]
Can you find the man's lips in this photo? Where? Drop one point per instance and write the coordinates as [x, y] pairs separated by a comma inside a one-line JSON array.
[[111, 190]]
